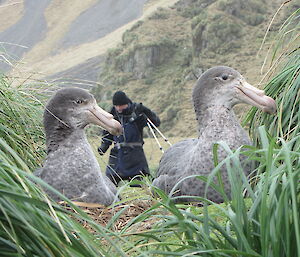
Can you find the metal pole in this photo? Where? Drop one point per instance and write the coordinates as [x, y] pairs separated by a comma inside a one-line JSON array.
[[166, 140], [153, 133]]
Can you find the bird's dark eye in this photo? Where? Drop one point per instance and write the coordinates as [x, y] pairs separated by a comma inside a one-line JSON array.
[[79, 101], [224, 77]]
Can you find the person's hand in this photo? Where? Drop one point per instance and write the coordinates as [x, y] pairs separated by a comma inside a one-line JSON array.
[[101, 151], [139, 108], [142, 110]]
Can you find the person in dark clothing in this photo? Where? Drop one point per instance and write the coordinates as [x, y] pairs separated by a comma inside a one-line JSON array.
[[127, 158]]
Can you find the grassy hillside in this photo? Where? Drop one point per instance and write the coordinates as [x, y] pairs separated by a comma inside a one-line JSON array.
[[46, 59], [10, 13], [159, 58], [264, 222]]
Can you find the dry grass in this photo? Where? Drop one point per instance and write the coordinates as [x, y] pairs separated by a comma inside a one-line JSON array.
[[38, 63], [10, 12], [59, 18], [104, 215]]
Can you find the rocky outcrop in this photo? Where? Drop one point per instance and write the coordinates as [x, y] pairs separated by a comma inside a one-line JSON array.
[[191, 8], [251, 12], [142, 59], [220, 31], [168, 51], [217, 33]]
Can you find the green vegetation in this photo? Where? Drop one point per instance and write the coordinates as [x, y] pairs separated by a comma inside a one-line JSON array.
[[32, 225], [161, 13], [251, 12], [265, 223], [161, 57], [193, 8], [217, 34], [285, 85], [20, 121], [262, 219]]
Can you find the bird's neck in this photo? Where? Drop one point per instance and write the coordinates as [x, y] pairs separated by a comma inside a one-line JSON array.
[[216, 119], [67, 137]]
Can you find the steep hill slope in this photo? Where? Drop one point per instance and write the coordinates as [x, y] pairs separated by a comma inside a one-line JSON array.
[[160, 58], [44, 39], [156, 55]]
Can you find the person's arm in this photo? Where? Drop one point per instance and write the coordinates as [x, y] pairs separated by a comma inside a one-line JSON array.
[[142, 109], [107, 140]]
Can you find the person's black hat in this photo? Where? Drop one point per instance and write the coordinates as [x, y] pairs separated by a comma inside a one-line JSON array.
[[120, 98]]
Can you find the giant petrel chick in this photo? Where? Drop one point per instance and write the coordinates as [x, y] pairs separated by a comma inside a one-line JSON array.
[[214, 95], [71, 166]]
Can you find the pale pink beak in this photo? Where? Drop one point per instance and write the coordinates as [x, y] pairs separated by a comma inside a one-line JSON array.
[[256, 97], [104, 119]]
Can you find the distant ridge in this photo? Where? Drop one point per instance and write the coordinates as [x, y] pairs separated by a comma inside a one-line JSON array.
[[70, 36]]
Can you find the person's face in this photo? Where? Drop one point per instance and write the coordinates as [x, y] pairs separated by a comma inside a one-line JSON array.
[[120, 108]]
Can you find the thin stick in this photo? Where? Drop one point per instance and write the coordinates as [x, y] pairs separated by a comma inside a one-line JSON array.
[[153, 133], [166, 140]]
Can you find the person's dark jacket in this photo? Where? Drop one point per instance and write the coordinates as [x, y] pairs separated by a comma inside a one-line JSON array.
[[127, 158]]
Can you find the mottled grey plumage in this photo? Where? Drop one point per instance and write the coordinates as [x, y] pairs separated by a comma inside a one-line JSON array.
[[214, 95], [71, 166]]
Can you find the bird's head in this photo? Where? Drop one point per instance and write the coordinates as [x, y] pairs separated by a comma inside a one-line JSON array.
[[76, 108], [224, 86]]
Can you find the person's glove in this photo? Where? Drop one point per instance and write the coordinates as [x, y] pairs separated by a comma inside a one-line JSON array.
[[140, 109]]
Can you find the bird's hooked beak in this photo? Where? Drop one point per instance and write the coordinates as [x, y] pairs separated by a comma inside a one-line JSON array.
[[255, 97], [104, 119]]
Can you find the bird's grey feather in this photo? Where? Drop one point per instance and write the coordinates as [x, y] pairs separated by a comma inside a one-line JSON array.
[[71, 166], [217, 122]]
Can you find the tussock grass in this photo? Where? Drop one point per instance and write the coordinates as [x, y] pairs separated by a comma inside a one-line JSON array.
[[266, 223], [31, 224], [284, 86], [20, 121], [262, 222]]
